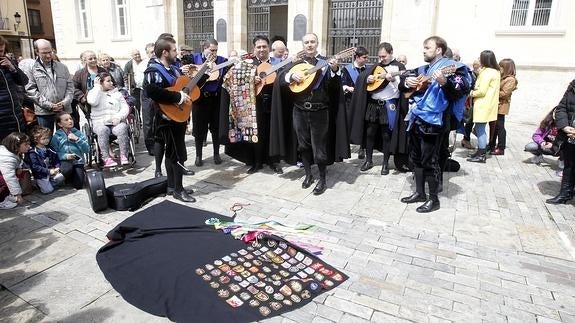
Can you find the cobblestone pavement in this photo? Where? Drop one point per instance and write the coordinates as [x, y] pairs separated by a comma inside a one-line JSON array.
[[494, 252]]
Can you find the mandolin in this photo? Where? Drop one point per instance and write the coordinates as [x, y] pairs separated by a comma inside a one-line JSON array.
[[423, 81], [379, 74], [267, 71], [311, 72], [181, 112]]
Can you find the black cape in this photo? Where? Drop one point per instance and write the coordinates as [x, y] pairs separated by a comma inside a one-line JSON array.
[[283, 140], [166, 261], [398, 144]]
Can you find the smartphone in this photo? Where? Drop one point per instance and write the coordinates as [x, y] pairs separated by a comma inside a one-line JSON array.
[[76, 157]]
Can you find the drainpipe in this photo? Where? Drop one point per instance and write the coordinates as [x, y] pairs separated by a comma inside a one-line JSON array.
[[435, 17]]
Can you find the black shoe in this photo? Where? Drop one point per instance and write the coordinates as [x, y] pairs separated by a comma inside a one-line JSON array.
[[559, 199], [384, 169], [277, 169], [361, 154], [184, 197], [414, 198], [429, 206], [171, 191], [188, 172], [151, 153], [319, 187], [254, 169], [368, 164], [199, 162], [217, 159], [158, 174], [477, 159], [307, 181]]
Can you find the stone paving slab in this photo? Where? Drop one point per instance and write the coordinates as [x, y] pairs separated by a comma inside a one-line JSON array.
[[494, 252]]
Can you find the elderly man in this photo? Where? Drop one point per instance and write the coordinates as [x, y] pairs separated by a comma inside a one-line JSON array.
[[279, 49], [49, 86]]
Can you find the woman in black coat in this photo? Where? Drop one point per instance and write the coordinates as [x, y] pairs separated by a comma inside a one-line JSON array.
[[564, 118]]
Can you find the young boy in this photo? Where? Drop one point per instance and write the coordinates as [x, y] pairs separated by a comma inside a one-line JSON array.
[[44, 161]]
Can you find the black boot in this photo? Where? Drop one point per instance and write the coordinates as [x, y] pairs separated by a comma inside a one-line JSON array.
[[321, 184], [367, 164], [432, 203], [385, 166], [479, 157], [419, 195], [199, 162], [565, 194]]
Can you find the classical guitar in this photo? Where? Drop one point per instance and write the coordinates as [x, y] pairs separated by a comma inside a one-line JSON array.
[[311, 73], [423, 81], [379, 74], [267, 71], [181, 112]]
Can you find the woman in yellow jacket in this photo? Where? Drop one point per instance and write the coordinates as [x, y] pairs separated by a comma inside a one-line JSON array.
[[485, 101]]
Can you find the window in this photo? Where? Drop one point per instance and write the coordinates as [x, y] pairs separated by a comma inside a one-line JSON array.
[[531, 13], [83, 20], [121, 26], [35, 21]]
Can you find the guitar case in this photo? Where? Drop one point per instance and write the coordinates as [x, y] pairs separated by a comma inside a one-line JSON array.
[[96, 188], [132, 196]]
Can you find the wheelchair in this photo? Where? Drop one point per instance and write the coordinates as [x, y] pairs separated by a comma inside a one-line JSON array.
[[94, 156]]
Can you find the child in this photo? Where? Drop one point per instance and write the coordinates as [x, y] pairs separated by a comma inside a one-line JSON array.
[[109, 112], [11, 150], [543, 139], [44, 161], [70, 144], [508, 84]]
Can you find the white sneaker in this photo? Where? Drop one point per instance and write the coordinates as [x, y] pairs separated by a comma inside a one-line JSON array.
[[537, 159], [7, 204]]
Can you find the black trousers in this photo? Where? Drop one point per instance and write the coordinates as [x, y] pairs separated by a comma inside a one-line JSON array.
[[498, 138], [372, 129], [424, 153], [74, 174], [311, 128], [206, 116], [568, 177], [173, 135], [148, 113]]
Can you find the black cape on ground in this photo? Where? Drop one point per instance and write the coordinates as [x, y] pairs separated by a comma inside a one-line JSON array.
[[283, 141], [166, 261]]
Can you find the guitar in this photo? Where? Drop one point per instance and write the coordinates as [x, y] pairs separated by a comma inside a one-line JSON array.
[[311, 72], [267, 71], [181, 112], [423, 81], [379, 74]]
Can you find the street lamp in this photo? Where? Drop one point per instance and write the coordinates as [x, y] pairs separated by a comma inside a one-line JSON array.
[[18, 20]]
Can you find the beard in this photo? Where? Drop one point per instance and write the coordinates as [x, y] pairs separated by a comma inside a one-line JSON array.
[[428, 59]]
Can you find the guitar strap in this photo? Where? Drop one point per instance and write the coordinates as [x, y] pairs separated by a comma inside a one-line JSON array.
[[323, 71]]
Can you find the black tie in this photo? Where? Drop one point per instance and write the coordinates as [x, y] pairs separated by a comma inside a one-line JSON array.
[[361, 69]]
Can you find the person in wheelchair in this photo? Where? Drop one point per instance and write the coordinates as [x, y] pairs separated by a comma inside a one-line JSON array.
[[108, 114]]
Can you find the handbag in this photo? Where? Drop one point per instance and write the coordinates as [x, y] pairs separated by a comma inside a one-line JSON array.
[[29, 115]]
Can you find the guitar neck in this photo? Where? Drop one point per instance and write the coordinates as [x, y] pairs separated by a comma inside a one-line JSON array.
[[222, 65], [192, 83], [317, 67], [279, 65]]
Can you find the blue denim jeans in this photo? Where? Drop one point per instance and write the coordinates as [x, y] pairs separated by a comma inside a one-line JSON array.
[[481, 135]]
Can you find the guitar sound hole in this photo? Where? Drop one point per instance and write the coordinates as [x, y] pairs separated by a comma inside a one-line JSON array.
[[262, 75]]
